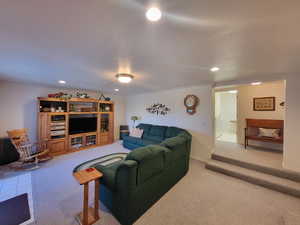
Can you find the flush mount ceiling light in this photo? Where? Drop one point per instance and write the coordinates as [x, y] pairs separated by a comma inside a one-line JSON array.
[[117, 89], [61, 81], [153, 14], [124, 77], [214, 69], [256, 83]]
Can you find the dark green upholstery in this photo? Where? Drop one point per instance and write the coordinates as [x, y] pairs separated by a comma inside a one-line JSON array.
[[145, 127], [109, 173], [156, 133], [150, 160], [130, 187], [153, 134], [173, 131]]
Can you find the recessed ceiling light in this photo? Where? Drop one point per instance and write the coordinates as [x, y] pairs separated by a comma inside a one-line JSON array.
[[116, 89], [62, 82], [153, 14], [124, 77], [214, 69], [256, 83]]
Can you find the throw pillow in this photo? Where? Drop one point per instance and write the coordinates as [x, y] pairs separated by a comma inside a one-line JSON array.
[[272, 133], [136, 132]]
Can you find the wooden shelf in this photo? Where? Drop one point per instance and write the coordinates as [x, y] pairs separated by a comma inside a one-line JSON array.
[[57, 139], [105, 112], [83, 134], [52, 99], [83, 113], [55, 113], [83, 100]]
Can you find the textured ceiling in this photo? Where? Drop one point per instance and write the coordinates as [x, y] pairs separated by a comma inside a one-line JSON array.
[[87, 42]]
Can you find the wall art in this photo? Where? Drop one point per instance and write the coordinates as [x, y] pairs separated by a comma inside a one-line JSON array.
[[158, 109]]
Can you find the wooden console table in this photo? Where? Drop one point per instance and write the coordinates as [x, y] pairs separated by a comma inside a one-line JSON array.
[[89, 215]]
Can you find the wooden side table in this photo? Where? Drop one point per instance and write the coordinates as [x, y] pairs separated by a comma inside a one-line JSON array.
[[89, 215]]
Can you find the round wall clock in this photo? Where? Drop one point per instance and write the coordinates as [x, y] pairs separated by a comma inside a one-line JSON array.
[[191, 102]]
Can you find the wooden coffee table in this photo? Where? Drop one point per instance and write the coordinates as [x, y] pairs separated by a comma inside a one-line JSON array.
[[89, 215]]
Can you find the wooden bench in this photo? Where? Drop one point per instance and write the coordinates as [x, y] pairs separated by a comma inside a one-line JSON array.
[[252, 130]]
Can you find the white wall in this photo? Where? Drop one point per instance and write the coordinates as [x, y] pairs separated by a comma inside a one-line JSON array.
[[291, 153], [19, 106], [200, 125]]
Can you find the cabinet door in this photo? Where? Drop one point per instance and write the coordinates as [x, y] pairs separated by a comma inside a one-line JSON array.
[[104, 123], [106, 128], [56, 147], [43, 126], [104, 139], [111, 128]]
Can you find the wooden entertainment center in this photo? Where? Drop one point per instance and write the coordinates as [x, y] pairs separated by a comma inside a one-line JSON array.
[[75, 124]]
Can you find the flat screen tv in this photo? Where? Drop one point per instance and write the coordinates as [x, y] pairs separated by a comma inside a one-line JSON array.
[[82, 123]]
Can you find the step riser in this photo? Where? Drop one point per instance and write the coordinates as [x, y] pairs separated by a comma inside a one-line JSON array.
[[259, 168], [257, 181]]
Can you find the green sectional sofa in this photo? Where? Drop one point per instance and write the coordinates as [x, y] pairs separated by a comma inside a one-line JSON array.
[[131, 186]]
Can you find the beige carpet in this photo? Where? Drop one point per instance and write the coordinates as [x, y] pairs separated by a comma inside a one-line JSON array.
[[251, 154], [201, 198]]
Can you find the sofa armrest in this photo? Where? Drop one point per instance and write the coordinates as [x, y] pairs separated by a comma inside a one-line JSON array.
[[126, 175]]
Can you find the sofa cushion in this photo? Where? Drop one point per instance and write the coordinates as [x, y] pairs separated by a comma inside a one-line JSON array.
[[171, 142], [150, 161], [145, 127], [185, 135], [132, 140], [139, 141], [146, 142], [178, 146], [109, 174], [157, 133], [172, 132]]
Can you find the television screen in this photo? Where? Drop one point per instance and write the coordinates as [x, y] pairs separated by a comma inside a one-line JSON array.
[[82, 123]]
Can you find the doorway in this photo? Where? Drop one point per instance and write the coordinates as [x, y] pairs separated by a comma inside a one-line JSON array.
[[226, 116]]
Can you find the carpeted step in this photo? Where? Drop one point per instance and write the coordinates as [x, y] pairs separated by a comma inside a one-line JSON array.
[[269, 181], [264, 169]]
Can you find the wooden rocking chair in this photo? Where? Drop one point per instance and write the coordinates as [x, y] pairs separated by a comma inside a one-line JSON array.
[[29, 152]]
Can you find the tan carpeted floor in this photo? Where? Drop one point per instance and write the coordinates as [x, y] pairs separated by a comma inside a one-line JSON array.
[[252, 154], [201, 198]]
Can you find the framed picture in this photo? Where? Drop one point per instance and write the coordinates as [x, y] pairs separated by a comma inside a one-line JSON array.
[[264, 104]]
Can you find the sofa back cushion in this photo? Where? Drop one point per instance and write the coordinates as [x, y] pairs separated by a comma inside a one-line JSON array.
[[150, 161], [156, 133], [178, 146], [145, 127], [173, 131]]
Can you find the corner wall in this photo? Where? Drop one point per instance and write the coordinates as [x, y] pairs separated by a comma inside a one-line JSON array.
[[19, 106], [291, 153], [200, 125]]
